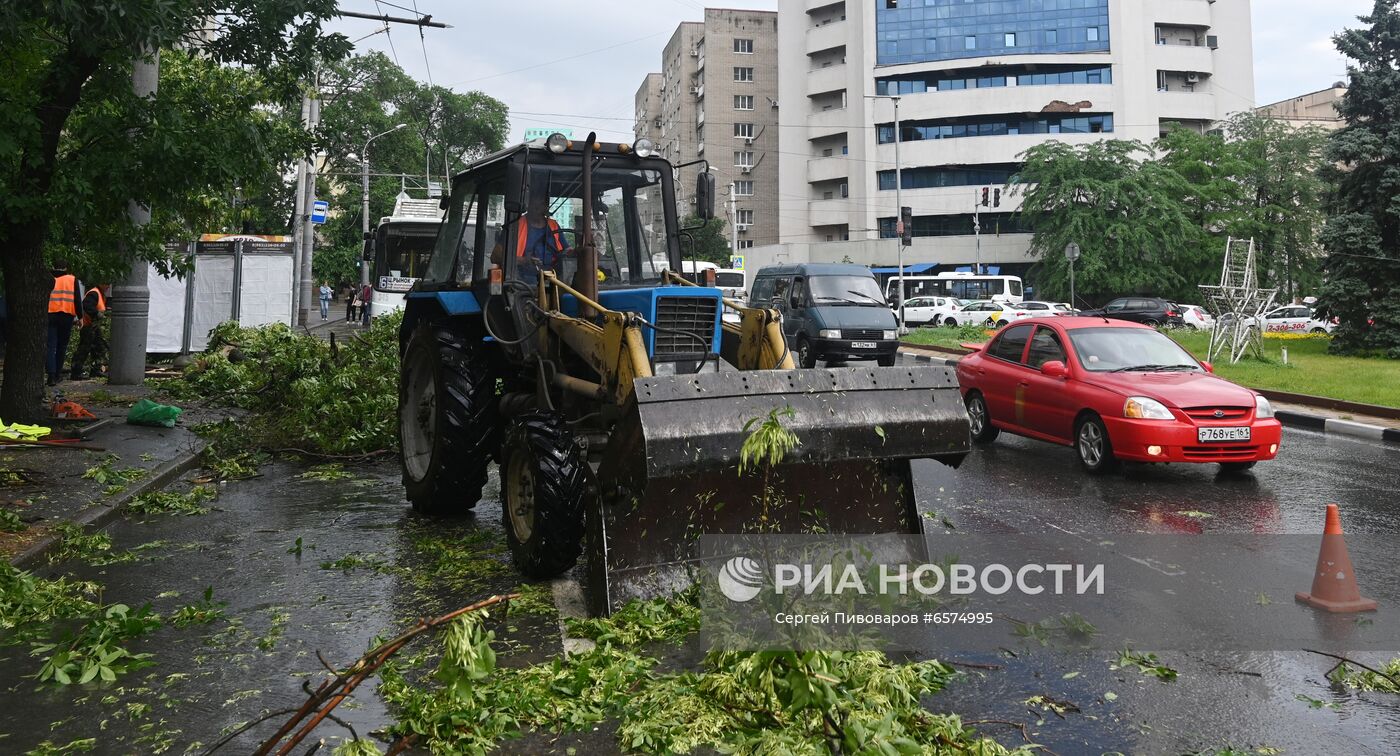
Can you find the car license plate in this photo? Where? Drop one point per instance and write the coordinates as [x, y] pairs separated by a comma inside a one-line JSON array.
[[862, 345], [1209, 435]]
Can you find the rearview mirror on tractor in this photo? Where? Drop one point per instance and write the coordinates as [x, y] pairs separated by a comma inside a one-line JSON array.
[[1054, 369], [705, 196]]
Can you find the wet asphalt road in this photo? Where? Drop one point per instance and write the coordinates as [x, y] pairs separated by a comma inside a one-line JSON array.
[[283, 607]]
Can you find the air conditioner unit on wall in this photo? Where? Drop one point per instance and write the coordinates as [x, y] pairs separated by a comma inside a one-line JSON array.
[[746, 169], [742, 227], [748, 140], [1193, 78]]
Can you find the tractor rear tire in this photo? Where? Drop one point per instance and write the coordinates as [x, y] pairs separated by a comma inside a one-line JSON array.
[[544, 492], [449, 424]]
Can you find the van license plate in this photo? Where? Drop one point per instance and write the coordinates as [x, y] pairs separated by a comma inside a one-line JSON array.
[[862, 345], [1208, 435]]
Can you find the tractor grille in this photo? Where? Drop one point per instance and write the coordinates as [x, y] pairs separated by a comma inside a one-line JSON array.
[[1226, 413], [680, 316], [861, 334]]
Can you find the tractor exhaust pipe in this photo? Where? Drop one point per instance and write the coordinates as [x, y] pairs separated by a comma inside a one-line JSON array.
[[586, 279]]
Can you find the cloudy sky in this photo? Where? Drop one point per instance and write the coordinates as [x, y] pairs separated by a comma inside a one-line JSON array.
[[578, 64]]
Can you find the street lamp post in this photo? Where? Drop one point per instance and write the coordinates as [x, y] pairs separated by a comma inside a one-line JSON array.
[[364, 199], [898, 210]]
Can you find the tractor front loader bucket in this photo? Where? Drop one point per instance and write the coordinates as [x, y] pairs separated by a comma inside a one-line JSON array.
[[671, 471]]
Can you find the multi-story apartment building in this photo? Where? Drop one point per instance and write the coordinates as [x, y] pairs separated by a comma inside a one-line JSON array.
[[978, 82], [716, 98]]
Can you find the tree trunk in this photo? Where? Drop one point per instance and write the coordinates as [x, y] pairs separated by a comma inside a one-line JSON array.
[[28, 282]]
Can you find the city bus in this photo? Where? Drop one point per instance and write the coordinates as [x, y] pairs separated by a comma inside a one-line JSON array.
[[959, 285], [399, 250]]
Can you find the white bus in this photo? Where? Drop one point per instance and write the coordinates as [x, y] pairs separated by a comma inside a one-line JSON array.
[[959, 285], [399, 250]]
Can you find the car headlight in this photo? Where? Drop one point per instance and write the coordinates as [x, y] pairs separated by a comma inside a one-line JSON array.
[[1146, 408], [887, 335], [829, 333], [1262, 408]]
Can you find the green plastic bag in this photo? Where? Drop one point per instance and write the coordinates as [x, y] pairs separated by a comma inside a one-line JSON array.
[[147, 412]]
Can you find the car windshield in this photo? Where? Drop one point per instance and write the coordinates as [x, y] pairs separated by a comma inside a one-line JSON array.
[[856, 290], [1129, 349], [401, 253]]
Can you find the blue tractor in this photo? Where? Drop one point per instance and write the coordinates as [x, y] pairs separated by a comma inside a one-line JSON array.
[[551, 334]]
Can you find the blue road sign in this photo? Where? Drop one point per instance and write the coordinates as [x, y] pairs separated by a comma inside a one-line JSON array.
[[318, 211]]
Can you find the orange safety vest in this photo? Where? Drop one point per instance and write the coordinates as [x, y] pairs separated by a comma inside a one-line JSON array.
[[523, 232], [64, 297], [101, 306]]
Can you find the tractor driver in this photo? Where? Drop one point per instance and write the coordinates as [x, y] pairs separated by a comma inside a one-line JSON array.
[[539, 243]]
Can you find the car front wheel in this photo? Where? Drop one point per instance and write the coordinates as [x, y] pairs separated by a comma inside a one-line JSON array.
[[979, 420], [1092, 446], [951, 323]]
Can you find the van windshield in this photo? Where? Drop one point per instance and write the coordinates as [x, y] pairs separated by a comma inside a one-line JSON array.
[[855, 290]]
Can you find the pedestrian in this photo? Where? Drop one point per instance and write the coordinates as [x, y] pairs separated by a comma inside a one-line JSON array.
[[325, 299], [349, 292], [366, 297], [92, 346], [355, 304], [63, 311]]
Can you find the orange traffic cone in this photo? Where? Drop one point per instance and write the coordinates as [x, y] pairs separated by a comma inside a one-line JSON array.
[[1334, 583]]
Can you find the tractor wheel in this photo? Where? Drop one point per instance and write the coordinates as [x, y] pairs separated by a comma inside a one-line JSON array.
[[544, 488], [448, 422], [806, 355]]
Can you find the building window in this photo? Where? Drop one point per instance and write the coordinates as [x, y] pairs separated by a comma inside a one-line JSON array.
[[828, 195], [744, 130], [970, 42], [743, 102], [743, 73], [957, 128], [937, 30], [1010, 40], [743, 46], [826, 152], [743, 159], [743, 188], [933, 177], [743, 217], [1051, 35], [746, 244], [1093, 33]]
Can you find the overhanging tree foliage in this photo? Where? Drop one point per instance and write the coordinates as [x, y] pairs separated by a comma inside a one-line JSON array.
[[76, 146], [710, 242], [1362, 236]]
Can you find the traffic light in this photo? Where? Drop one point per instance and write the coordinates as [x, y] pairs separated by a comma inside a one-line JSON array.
[[906, 220], [985, 192], [996, 198]]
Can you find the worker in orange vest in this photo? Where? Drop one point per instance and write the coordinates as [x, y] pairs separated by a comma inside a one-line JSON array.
[[539, 242], [63, 311], [92, 346]]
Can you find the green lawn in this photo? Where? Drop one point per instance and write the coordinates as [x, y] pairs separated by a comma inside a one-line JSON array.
[[1310, 369]]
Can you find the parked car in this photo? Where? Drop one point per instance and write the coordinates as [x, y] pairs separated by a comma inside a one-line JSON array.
[[1294, 319], [931, 311], [1113, 391], [1195, 317], [1038, 309], [1152, 311], [984, 312], [830, 312]]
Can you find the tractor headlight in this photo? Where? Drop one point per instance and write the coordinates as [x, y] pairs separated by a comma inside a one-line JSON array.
[[1262, 408], [1146, 408], [643, 148], [888, 335], [557, 143], [829, 333]]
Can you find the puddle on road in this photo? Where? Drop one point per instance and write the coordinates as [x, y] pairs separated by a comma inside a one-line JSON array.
[[365, 567]]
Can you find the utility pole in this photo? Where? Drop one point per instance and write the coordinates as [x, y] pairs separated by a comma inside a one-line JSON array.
[[131, 298], [300, 214], [977, 229], [308, 229]]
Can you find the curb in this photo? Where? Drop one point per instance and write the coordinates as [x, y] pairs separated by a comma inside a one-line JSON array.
[[98, 515], [1338, 426]]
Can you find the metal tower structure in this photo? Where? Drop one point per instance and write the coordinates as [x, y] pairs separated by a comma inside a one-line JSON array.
[[1238, 304]]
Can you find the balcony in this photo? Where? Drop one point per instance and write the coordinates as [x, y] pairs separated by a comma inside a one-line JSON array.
[[1189, 106], [1183, 58], [832, 212], [1180, 12], [829, 79], [699, 118], [813, 5], [827, 169], [830, 122], [826, 36]]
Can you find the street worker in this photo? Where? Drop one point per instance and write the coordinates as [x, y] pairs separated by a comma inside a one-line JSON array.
[[63, 311], [539, 242], [92, 346]]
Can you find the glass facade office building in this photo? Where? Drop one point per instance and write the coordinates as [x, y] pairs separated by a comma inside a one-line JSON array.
[[916, 31]]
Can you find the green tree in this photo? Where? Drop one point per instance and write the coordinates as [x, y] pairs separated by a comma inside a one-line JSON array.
[[76, 146], [710, 242], [1125, 211], [1362, 235]]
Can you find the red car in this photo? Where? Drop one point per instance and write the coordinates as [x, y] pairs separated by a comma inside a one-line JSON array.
[[1114, 391]]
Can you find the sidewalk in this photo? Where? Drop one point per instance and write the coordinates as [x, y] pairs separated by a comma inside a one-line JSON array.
[[45, 485]]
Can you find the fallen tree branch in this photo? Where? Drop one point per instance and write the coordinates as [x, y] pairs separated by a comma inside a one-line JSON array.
[[1343, 660], [332, 692]]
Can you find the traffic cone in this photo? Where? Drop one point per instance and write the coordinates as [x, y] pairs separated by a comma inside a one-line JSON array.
[[1334, 583]]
